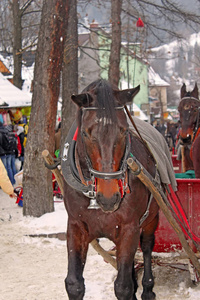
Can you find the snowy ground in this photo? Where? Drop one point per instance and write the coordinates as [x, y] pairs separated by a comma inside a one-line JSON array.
[[35, 268]]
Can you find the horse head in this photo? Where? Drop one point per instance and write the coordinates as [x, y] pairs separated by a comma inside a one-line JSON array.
[[103, 139], [189, 108]]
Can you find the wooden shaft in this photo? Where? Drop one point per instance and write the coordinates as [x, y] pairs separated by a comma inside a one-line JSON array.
[[183, 159], [49, 160], [106, 256], [148, 183]]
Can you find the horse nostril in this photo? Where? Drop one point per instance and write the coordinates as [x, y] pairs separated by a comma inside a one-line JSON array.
[[108, 204], [187, 139], [118, 197], [99, 196]]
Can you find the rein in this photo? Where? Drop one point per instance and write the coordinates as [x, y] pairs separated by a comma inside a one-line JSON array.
[[134, 125]]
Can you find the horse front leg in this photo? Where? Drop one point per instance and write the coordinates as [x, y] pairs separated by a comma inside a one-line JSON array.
[[147, 239], [125, 283], [77, 246]]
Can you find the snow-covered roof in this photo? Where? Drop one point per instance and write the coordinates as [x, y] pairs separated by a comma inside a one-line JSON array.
[[11, 96], [155, 79]]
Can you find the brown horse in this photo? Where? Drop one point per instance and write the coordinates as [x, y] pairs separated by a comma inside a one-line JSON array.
[[189, 110], [102, 144]]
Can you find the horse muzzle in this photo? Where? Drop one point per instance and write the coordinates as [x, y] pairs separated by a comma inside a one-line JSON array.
[[108, 205], [186, 140]]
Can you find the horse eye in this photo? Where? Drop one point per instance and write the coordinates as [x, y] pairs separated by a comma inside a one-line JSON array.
[[186, 106], [84, 134], [94, 139]]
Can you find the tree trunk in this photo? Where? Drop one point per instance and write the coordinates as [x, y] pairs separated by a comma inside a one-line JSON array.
[[70, 71], [114, 72], [17, 44], [37, 179]]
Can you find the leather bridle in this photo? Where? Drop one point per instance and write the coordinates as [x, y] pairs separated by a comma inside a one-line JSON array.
[[121, 173]]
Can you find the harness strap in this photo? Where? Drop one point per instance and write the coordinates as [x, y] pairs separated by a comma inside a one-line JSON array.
[[156, 182], [77, 161], [134, 125], [145, 215], [136, 129]]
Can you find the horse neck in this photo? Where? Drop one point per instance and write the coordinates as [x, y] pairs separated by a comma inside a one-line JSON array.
[[186, 161]]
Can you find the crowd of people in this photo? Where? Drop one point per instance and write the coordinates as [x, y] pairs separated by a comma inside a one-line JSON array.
[[12, 143], [169, 130]]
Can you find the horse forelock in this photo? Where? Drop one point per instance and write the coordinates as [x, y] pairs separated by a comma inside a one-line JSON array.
[[104, 100], [188, 94]]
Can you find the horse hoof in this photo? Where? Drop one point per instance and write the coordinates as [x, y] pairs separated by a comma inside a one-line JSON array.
[[148, 296], [75, 290]]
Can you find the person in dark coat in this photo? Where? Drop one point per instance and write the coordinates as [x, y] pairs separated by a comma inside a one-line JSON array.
[[20, 132], [13, 146], [5, 152]]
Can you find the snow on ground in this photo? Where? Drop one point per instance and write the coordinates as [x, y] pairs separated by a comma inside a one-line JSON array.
[[35, 268]]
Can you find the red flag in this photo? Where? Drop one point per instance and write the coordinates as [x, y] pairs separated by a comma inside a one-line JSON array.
[[140, 23]]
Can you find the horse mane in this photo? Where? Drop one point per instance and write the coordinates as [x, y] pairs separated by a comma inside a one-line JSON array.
[[102, 93]]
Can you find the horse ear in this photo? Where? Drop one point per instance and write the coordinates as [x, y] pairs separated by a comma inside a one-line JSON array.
[[126, 96], [82, 100], [195, 92], [183, 91]]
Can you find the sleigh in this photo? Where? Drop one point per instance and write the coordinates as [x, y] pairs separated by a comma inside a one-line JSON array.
[[166, 238], [188, 194], [176, 164]]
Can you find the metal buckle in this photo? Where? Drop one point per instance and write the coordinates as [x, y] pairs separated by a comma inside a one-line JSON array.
[[92, 195]]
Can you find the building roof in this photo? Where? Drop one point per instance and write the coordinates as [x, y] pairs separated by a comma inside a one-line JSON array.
[[3, 69], [155, 79], [82, 38], [11, 96]]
